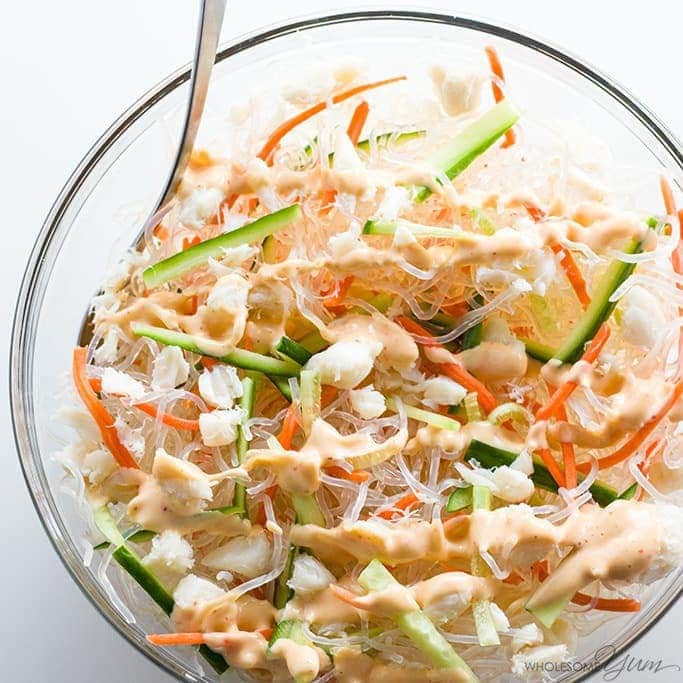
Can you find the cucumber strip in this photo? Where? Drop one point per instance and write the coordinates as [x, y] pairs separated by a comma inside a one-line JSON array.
[[132, 564], [433, 419], [314, 342], [282, 386], [246, 402], [292, 350], [283, 593], [508, 411], [538, 351], [384, 227], [269, 247], [140, 536], [227, 510], [600, 307], [472, 337], [416, 625], [472, 410], [385, 139], [240, 358], [289, 628], [471, 142], [481, 609], [490, 456], [628, 493], [307, 510], [381, 141], [310, 396], [459, 499], [195, 256]]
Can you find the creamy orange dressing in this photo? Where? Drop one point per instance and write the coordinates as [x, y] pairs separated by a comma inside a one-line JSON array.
[[301, 660], [299, 471], [325, 607], [495, 362], [353, 666], [512, 534], [398, 348]]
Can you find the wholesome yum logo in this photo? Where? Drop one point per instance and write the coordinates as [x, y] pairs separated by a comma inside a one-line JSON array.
[[613, 669], [636, 665]]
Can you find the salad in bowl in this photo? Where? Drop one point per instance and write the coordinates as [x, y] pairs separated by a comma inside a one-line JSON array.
[[387, 393]]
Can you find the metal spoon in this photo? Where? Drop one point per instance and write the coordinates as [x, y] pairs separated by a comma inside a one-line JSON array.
[[209, 28]]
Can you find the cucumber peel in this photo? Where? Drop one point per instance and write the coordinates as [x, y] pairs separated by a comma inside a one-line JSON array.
[[600, 307], [246, 403], [132, 564], [459, 499], [240, 358], [489, 456], [471, 142], [292, 350], [195, 256]]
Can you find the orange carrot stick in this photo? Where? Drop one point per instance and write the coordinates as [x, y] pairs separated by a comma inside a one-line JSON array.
[[358, 476], [573, 274], [404, 503], [100, 414], [567, 448], [360, 116], [604, 604], [151, 410], [290, 425], [565, 390], [452, 370], [667, 196], [637, 440], [338, 298], [172, 639], [498, 95], [552, 466], [289, 125], [567, 261]]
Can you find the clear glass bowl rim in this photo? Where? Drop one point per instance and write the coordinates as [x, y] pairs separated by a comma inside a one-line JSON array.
[[20, 357]]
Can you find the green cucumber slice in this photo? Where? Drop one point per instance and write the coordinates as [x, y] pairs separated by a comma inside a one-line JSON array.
[[195, 256], [240, 358], [473, 141]]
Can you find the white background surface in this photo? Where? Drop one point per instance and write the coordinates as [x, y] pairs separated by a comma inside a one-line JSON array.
[[69, 68]]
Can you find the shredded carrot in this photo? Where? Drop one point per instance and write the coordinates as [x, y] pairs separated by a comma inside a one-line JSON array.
[[567, 261], [553, 467], [289, 125], [498, 95], [160, 232], [191, 241], [457, 309], [290, 426], [565, 390], [667, 196], [453, 370], [571, 270], [151, 410], [567, 448], [604, 604], [404, 503], [166, 639], [174, 639], [637, 440], [360, 116], [358, 476], [100, 414], [337, 299], [209, 362]]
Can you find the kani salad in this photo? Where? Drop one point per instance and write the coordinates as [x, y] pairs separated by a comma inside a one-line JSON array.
[[388, 402]]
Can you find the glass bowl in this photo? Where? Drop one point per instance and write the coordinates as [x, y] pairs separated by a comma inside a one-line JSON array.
[[103, 204]]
